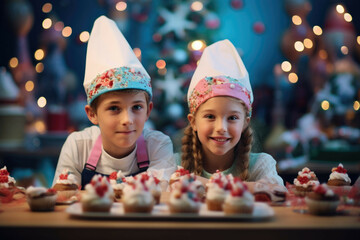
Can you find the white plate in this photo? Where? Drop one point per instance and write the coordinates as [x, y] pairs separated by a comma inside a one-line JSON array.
[[261, 212]]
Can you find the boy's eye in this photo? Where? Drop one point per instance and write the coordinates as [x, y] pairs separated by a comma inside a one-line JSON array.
[[137, 107], [114, 108]]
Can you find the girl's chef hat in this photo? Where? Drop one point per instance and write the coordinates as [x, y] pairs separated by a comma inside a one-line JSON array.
[[220, 72], [111, 63]]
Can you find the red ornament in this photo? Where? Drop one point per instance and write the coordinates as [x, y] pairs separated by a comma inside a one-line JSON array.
[[259, 27], [236, 4]]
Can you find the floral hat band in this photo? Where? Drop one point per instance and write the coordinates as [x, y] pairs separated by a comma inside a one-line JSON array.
[[209, 87], [120, 78]]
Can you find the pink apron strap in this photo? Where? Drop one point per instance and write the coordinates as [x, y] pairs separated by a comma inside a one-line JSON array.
[[141, 153], [94, 155]]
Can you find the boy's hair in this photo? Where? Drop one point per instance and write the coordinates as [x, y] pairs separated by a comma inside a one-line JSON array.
[[192, 156], [94, 104]]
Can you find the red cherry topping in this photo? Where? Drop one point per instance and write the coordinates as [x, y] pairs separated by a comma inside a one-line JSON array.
[[182, 171], [4, 172], [63, 176], [51, 190], [303, 179], [237, 192], [4, 179], [100, 190], [320, 189], [340, 169], [113, 175]]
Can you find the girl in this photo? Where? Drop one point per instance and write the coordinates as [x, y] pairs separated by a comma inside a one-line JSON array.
[[119, 95], [219, 136]]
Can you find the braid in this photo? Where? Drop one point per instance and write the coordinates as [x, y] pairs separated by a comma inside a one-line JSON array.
[[242, 153], [191, 158]]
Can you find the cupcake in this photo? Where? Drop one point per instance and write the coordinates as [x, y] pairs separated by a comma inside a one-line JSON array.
[[304, 182], [322, 201], [263, 192], [40, 198], [240, 200], [98, 195], [137, 198], [118, 182], [152, 183], [7, 186], [184, 197], [218, 187], [339, 177], [6, 181], [66, 186], [176, 176]]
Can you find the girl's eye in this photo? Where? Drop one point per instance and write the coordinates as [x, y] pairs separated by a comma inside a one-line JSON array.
[[209, 116], [233, 118]]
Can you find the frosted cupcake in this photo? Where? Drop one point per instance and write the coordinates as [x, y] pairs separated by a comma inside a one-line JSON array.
[[176, 176], [66, 186], [322, 201], [118, 182], [240, 200], [184, 197], [305, 181], [40, 198], [137, 198], [98, 195], [152, 183], [6, 181], [339, 177], [218, 187]]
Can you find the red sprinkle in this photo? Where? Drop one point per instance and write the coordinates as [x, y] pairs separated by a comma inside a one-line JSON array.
[[113, 175]]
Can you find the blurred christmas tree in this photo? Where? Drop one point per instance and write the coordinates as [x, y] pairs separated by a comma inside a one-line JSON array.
[[183, 29]]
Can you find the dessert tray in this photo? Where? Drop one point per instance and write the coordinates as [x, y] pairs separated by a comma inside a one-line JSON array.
[[261, 212]]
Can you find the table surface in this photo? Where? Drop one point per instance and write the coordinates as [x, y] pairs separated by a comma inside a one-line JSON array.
[[18, 222]]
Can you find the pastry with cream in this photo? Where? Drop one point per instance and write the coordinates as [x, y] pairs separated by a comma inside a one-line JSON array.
[[118, 182], [66, 186], [137, 197], [240, 200], [305, 181], [41, 198], [339, 177], [322, 201]]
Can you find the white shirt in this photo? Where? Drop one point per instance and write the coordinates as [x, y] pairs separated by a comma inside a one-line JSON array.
[[77, 147]]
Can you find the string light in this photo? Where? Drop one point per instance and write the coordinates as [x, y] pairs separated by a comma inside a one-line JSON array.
[[348, 17], [67, 31], [299, 46], [121, 6], [340, 9], [323, 54], [162, 71], [308, 43], [13, 63], [286, 66], [40, 126], [29, 86], [293, 77], [197, 6], [39, 68], [84, 36], [39, 54], [356, 105], [41, 102], [296, 20], [137, 52], [59, 26], [317, 30], [344, 50], [325, 105], [196, 45], [160, 64], [47, 7], [46, 24]]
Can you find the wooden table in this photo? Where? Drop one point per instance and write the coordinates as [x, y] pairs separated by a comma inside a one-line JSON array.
[[18, 222]]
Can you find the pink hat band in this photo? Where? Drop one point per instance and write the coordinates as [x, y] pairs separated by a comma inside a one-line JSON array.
[[209, 87]]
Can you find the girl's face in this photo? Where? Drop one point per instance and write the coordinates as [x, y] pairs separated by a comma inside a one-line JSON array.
[[121, 117], [219, 123]]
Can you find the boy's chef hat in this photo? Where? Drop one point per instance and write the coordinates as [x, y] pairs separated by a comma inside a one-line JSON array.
[[220, 72], [111, 63]]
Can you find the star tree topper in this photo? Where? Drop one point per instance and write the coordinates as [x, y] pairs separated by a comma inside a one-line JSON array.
[[176, 21]]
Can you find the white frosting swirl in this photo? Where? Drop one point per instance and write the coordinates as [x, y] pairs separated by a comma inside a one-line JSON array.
[[115, 183], [70, 178], [9, 180], [136, 194], [247, 199], [215, 192], [35, 191], [182, 200], [305, 185], [91, 195]]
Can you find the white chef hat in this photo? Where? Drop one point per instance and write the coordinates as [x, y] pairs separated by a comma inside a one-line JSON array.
[[111, 63], [220, 72]]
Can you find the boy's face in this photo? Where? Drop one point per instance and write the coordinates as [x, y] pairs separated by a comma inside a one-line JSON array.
[[121, 117], [219, 123]]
